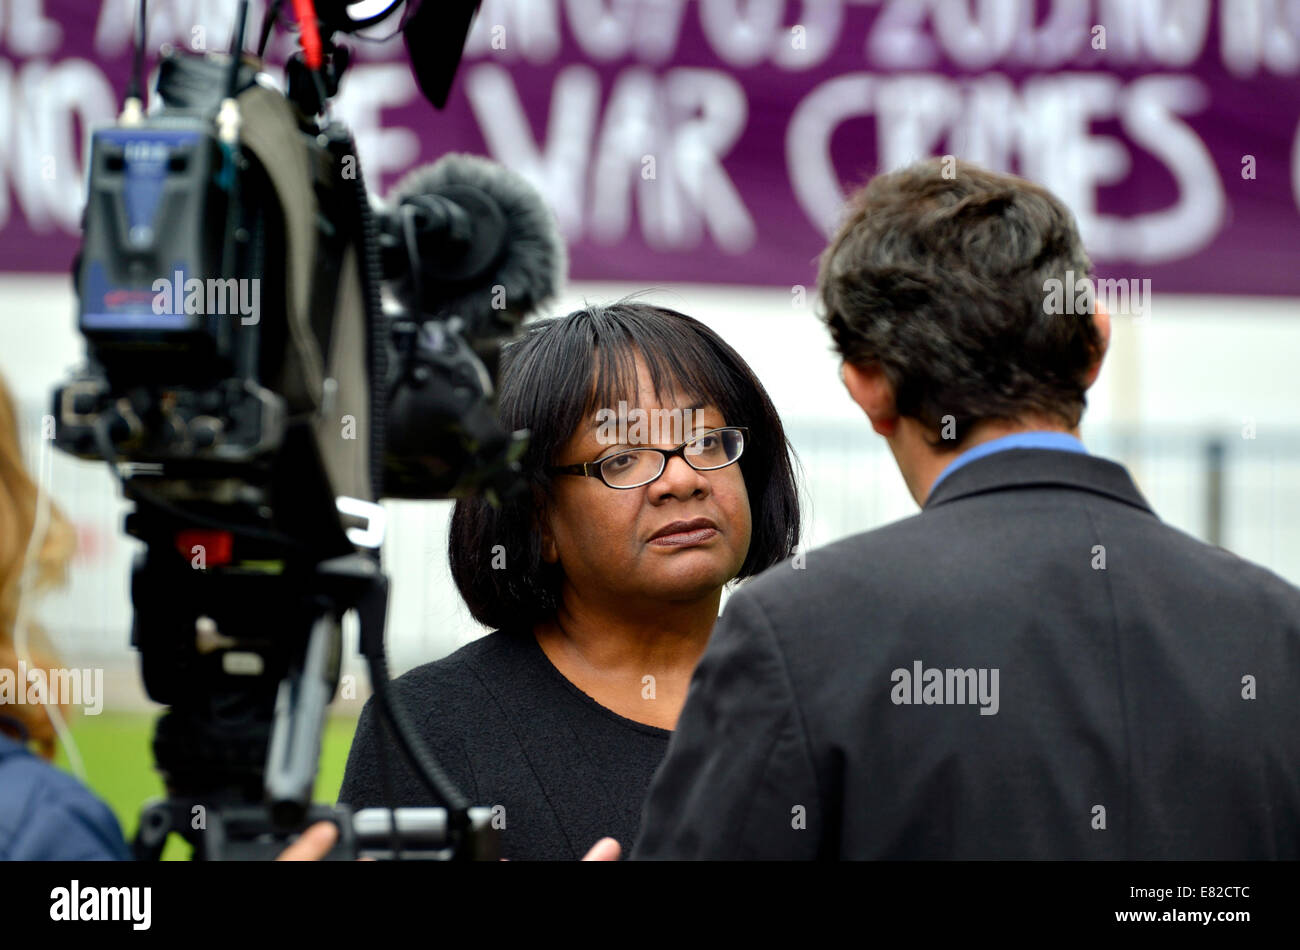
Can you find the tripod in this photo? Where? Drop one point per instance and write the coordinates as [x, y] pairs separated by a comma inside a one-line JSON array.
[[246, 655]]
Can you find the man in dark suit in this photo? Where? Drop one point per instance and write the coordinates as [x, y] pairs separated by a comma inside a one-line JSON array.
[[1034, 666]]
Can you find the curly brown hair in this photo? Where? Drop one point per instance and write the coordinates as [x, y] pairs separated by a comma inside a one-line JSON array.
[[18, 509]]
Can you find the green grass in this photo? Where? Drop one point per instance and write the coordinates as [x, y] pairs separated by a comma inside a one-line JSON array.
[[115, 749]]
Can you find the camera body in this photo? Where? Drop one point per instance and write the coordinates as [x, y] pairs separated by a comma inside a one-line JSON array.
[[253, 392], [174, 378]]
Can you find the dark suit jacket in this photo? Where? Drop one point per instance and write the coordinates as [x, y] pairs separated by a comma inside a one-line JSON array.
[[1149, 708]]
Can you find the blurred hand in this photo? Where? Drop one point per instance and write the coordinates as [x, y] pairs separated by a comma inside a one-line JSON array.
[[606, 849], [314, 843]]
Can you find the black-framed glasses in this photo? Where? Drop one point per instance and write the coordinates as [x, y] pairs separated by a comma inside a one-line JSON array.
[[633, 468]]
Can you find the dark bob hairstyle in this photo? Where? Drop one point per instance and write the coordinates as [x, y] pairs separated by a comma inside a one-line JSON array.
[[554, 378]]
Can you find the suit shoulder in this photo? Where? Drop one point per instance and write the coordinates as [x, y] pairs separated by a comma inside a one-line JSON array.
[[1236, 572], [841, 561]]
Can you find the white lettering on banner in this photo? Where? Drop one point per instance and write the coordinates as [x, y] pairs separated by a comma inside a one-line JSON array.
[[610, 29], [979, 42], [904, 34], [919, 34], [1150, 118], [1062, 36], [1174, 30], [897, 37], [993, 125], [1253, 33], [715, 110], [912, 115], [628, 133], [742, 33], [531, 29], [26, 30], [1123, 30], [813, 178], [821, 22], [688, 119], [559, 169], [41, 108], [170, 21], [1043, 131], [646, 150], [1056, 147]]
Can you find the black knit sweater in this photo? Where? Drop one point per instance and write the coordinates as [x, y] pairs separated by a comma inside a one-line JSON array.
[[510, 730]]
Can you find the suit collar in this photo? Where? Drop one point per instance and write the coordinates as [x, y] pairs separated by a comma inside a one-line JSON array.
[[1038, 468]]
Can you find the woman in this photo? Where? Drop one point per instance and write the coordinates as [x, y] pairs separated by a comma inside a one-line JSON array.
[[659, 472], [45, 814]]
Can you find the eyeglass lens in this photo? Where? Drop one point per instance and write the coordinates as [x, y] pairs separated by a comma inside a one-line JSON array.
[[716, 449]]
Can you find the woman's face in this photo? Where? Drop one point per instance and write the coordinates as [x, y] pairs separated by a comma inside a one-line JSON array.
[[604, 538]]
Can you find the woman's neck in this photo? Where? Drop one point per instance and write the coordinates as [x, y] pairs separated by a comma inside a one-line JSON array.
[[638, 667]]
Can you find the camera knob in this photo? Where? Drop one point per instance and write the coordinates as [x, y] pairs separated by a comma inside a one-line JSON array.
[[117, 426], [205, 431]]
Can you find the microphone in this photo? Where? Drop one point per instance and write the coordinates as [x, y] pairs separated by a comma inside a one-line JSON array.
[[469, 248], [467, 237], [434, 34]]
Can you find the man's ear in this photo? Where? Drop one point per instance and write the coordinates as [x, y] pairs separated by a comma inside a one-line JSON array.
[[870, 389], [1102, 319]]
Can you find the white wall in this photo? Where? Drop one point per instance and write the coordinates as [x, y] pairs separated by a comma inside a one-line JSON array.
[[1191, 367]]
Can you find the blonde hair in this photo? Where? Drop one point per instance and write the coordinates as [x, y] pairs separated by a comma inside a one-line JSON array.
[[19, 496]]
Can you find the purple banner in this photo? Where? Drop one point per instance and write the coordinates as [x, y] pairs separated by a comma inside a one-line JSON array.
[[715, 140]]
